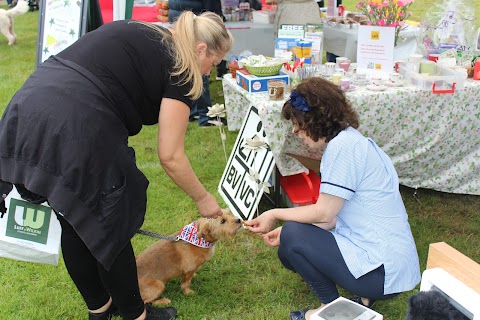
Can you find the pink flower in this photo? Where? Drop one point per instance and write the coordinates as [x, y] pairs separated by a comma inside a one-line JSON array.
[[400, 4], [381, 22]]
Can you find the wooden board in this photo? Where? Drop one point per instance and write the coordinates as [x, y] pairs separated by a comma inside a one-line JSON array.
[[441, 255]]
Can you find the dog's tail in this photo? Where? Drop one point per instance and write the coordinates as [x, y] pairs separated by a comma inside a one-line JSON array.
[[21, 8]]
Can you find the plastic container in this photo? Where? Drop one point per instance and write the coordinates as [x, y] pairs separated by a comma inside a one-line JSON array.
[[443, 80], [300, 189]]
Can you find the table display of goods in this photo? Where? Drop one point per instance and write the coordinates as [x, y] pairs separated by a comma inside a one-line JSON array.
[[351, 21], [258, 71], [262, 66]]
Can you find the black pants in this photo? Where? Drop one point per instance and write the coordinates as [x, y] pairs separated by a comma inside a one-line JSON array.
[[313, 253], [97, 285]]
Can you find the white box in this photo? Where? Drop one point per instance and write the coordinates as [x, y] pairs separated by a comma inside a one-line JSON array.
[[252, 83], [462, 297], [263, 17], [444, 80], [344, 309]]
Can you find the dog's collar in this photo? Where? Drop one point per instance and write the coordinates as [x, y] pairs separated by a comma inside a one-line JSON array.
[[189, 234]]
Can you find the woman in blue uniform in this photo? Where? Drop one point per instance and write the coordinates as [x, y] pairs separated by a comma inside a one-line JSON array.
[[357, 235]]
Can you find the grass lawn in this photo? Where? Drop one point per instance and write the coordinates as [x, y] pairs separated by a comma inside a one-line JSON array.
[[244, 280]]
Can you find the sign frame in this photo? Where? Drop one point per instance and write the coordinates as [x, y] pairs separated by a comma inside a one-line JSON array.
[[51, 38]]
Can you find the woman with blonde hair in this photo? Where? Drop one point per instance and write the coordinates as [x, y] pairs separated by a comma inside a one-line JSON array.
[[64, 139]]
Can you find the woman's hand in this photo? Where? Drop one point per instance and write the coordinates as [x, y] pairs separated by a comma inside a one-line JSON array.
[[262, 224], [208, 207], [272, 238]]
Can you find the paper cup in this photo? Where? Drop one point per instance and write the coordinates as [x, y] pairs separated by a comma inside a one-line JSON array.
[[276, 89]]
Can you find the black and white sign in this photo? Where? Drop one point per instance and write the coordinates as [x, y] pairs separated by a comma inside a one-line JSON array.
[[239, 191]]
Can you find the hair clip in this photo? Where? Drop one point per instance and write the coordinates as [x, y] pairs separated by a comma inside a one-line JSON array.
[[299, 102]]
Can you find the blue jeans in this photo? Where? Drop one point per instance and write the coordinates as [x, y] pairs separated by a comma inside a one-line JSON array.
[[200, 106], [313, 253]]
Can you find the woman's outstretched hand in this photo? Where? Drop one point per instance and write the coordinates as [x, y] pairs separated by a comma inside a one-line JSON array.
[[263, 223]]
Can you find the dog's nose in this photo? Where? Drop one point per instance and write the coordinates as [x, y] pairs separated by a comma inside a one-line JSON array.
[[238, 221]]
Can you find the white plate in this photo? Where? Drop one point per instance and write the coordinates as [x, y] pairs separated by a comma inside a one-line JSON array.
[[394, 84], [376, 88]]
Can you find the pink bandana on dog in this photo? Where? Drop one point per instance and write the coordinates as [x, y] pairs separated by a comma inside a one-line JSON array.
[[189, 234]]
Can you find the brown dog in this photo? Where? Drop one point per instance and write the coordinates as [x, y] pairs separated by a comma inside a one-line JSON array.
[[166, 259]]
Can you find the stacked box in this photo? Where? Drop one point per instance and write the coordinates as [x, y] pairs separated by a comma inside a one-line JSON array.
[[253, 83]]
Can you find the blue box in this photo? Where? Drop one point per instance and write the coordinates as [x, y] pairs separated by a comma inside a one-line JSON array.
[[253, 84]]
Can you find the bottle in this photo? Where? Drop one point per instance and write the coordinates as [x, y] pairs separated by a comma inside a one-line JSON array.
[[341, 10]]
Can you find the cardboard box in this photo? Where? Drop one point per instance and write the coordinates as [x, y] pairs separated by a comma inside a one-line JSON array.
[[254, 84]]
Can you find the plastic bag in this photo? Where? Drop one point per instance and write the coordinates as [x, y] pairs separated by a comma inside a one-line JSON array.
[[29, 232], [448, 25]]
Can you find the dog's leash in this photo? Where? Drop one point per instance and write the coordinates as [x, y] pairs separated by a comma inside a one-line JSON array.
[[156, 235]]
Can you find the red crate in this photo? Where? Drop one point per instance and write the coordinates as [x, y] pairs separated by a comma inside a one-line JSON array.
[[300, 189]]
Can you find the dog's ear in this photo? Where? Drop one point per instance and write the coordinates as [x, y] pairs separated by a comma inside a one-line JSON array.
[[204, 230]]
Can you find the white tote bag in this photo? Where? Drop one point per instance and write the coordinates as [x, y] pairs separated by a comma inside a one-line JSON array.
[[29, 232]]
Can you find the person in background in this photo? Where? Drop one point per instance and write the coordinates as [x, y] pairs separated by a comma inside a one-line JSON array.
[[64, 139], [329, 57], [11, 4], [176, 7], [357, 235], [296, 12]]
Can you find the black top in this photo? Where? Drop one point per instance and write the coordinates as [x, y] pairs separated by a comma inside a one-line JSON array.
[[64, 134], [134, 64]]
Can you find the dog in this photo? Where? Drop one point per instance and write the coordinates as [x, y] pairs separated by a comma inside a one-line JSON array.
[[167, 259], [6, 20], [432, 305]]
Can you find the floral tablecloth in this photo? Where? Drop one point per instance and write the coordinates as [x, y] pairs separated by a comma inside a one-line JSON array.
[[433, 139]]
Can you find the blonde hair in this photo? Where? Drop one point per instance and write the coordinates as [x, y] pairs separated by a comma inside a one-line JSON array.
[[190, 30]]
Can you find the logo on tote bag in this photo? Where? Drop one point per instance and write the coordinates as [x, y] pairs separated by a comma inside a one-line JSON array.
[[28, 221]]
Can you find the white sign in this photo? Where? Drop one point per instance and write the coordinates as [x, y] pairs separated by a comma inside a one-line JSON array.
[[291, 31], [62, 22], [239, 191], [375, 50]]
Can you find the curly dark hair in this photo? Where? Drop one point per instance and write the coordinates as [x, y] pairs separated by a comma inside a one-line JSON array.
[[330, 111]]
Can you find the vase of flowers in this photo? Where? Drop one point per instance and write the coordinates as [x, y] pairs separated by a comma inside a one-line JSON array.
[[386, 13]]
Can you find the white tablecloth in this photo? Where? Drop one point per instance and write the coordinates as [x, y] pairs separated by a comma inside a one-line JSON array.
[[256, 37], [343, 42], [433, 139]]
